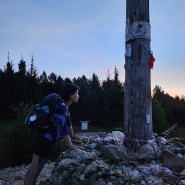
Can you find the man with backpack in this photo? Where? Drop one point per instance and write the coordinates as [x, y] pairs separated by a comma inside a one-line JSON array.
[[43, 143]]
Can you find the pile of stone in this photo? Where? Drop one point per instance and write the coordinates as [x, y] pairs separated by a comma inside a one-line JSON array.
[[105, 161]]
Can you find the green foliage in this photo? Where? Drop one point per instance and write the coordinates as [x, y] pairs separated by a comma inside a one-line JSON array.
[[160, 123], [18, 139], [18, 148], [178, 132], [5, 127], [22, 110], [113, 101], [100, 102], [174, 107]]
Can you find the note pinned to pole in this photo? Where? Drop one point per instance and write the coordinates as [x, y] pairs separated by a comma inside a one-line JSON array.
[[128, 50], [148, 118]]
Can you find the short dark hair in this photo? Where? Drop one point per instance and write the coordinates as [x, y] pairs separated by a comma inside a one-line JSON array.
[[68, 90]]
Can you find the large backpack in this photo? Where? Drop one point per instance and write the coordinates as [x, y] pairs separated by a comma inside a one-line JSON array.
[[40, 117]]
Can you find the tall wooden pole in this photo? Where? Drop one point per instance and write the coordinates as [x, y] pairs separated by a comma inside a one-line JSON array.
[[137, 100]]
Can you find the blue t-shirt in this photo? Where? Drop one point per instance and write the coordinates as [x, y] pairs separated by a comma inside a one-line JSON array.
[[61, 128]]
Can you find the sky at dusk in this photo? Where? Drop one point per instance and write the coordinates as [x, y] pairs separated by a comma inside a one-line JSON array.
[[80, 37]]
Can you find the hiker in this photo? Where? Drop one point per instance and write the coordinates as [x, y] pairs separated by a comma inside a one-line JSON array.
[[42, 145]]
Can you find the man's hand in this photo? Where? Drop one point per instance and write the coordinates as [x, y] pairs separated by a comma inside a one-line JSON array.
[[77, 138]]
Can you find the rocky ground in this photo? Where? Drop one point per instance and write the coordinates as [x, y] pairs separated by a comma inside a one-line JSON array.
[[15, 176], [107, 162]]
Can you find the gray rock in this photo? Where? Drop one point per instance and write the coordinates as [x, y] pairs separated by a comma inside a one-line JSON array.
[[109, 164]]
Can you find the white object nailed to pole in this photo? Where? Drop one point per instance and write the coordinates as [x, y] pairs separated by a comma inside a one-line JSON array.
[[84, 125]]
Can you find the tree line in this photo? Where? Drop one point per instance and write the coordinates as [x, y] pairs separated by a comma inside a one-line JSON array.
[[101, 102]]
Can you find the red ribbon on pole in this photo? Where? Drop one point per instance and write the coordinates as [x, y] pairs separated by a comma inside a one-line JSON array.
[[152, 59]]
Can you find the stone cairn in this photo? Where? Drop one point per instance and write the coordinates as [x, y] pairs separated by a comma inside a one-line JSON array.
[[106, 161]]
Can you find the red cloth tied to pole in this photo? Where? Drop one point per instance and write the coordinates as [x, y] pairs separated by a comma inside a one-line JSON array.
[[152, 59]]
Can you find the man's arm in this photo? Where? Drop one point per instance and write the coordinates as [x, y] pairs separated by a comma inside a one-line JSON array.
[[72, 135], [69, 143]]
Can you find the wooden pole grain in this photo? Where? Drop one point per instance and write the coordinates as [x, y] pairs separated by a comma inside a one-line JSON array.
[[138, 127]]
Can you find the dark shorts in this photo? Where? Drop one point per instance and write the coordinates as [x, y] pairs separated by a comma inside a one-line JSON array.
[[41, 146]]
